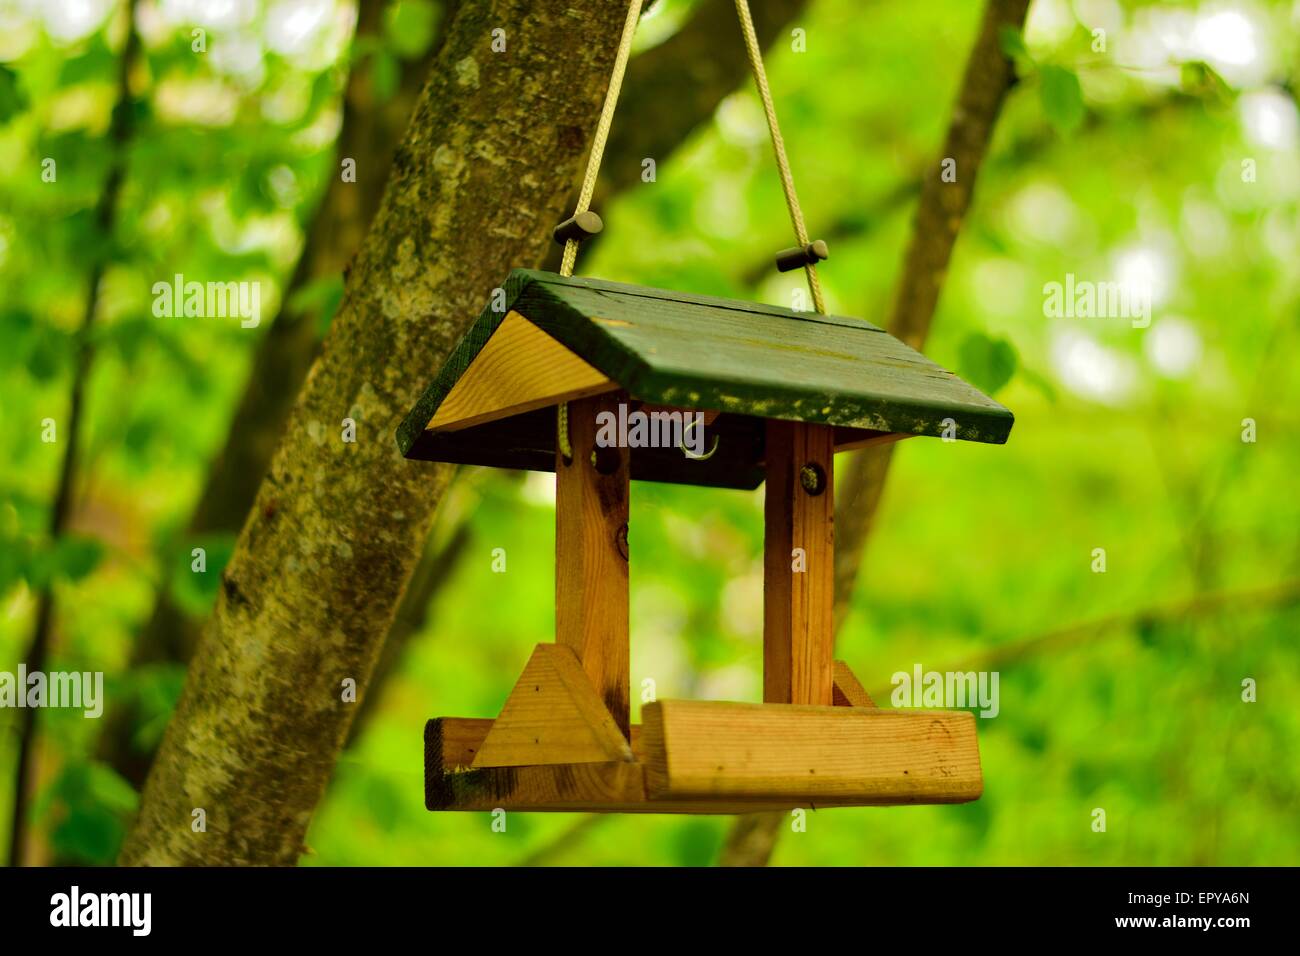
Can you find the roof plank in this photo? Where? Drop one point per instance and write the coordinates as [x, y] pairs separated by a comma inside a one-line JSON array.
[[743, 359]]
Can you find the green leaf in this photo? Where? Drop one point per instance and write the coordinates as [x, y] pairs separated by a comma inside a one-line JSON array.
[[12, 98], [141, 432], [987, 363], [365, 45], [696, 842], [408, 27], [195, 591], [127, 337], [111, 790], [49, 350], [385, 74], [1012, 42], [17, 329], [71, 557], [75, 556], [15, 559], [97, 63], [321, 296], [91, 804], [1202, 80], [1062, 98], [157, 689]]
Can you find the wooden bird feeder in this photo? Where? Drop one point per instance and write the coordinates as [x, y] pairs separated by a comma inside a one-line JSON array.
[[782, 391]]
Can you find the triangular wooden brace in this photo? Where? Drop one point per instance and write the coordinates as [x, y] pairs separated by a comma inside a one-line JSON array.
[[521, 368], [553, 715], [848, 690]]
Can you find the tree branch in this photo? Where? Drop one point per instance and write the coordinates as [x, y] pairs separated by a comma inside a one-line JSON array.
[[1282, 594], [369, 134], [989, 75], [336, 529], [119, 134], [564, 841], [857, 223], [939, 217], [657, 79]]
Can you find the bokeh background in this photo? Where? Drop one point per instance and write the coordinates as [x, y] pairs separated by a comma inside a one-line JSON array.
[[1120, 690]]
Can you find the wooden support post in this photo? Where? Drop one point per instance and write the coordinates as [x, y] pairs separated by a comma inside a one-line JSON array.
[[591, 508], [798, 564]]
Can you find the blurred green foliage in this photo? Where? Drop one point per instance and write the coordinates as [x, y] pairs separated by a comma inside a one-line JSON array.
[[1127, 439]]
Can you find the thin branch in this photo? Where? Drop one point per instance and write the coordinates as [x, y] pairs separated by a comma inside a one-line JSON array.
[[563, 842], [653, 121], [254, 748], [119, 134], [752, 839], [859, 223], [939, 216], [1282, 594], [369, 135]]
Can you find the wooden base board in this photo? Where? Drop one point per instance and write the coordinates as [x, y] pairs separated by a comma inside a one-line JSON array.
[[704, 750], [884, 758]]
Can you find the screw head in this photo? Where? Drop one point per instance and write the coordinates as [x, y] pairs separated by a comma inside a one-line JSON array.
[[812, 478]]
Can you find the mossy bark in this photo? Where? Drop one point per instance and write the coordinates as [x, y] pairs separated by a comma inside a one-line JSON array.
[[369, 134], [337, 527]]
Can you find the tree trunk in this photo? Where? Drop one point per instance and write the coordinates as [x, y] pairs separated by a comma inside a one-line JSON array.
[[369, 133], [670, 73], [337, 527]]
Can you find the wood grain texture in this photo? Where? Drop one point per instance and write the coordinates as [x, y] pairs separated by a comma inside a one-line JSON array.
[[519, 369], [798, 633], [457, 739], [702, 352], [851, 439], [745, 358], [552, 716], [591, 555], [619, 787], [528, 441], [614, 787], [697, 750], [460, 739], [573, 788], [848, 690]]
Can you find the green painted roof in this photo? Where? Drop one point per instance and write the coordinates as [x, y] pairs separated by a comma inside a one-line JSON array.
[[741, 358]]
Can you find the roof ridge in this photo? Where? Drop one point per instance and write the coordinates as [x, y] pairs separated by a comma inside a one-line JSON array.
[[697, 298]]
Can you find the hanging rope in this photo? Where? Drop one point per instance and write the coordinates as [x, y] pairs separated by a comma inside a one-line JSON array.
[[602, 129], [589, 179], [806, 255], [778, 146]]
